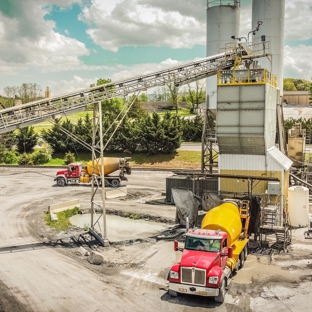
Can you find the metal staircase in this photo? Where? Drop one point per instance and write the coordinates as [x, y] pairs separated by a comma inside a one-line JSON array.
[[269, 225], [35, 112]]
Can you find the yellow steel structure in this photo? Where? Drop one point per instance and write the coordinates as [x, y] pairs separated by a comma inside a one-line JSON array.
[[249, 77]]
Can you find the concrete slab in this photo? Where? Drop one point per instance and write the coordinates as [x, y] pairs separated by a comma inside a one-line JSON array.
[[116, 193], [119, 228], [70, 204]]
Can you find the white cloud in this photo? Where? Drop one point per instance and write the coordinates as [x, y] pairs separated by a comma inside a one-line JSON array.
[[27, 40], [124, 72], [298, 20], [73, 85], [31, 49], [141, 23], [117, 73], [297, 62]]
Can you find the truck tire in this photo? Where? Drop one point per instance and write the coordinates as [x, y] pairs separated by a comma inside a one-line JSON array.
[[60, 181], [242, 259], [115, 183], [173, 293], [246, 252], [220, 297]]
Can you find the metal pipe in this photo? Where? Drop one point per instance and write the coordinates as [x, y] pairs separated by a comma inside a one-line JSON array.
[[106, 243]]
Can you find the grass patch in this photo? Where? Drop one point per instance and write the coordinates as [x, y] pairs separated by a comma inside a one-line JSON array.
[[134, 216], [63, 219]]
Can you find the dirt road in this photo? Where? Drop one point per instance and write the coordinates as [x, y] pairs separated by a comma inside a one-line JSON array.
[[37, 277]]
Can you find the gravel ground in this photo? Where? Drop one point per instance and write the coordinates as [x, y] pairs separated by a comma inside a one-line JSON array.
[[35, 276]]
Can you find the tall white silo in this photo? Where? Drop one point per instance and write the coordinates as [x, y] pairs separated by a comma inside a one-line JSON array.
[[272, 14], [223, 22]]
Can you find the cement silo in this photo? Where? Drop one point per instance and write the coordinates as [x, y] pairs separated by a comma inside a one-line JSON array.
[[272, 14], [223, 22]]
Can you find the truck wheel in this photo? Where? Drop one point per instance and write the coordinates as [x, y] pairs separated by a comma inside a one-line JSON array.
[[246, 252], [115, 183], [220, 297], [173, 293], [60, 182], [242, 259]]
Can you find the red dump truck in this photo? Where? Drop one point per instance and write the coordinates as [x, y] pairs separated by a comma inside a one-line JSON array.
[[77, 174], [212, 253]]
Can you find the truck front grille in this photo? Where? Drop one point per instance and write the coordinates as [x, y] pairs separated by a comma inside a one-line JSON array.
[[193, 276]]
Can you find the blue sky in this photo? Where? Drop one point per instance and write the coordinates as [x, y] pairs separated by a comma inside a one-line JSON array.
[[69, 44]]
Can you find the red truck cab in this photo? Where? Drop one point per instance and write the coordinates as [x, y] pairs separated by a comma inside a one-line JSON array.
[[69, 175], [203, 267]]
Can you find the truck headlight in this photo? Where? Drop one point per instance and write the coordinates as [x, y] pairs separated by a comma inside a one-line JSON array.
[[174, 275], [213, 280]]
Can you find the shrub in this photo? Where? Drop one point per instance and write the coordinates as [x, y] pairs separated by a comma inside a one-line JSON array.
[[41, 156], [69, 158], [8, 157], [25, 159]]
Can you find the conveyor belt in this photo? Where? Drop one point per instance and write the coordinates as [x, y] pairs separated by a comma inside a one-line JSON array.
[[35, 112]]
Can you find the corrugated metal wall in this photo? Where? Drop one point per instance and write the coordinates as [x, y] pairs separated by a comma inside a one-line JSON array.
[[196, 186], [246, 119]]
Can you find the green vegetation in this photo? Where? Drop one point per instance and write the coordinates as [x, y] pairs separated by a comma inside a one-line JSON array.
[[179, 159], [63, 219], [134, 216], [291, 84]]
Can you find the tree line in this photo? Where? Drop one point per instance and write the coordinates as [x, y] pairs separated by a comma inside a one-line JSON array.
[[137, 132]]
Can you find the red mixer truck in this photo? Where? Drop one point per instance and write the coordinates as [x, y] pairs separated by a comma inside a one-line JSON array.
[[77, 174], [212, 253]]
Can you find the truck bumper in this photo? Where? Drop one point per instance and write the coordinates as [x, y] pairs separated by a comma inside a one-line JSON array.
[[194, 290]]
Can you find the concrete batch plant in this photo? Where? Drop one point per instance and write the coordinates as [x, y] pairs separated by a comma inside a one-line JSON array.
[[245, 102]]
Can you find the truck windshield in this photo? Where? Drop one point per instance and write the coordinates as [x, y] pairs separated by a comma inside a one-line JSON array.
[[205, 244]]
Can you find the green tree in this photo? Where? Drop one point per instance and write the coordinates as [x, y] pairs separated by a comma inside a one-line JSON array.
[[84, 131], [159, 135], [143, 97], [58, 140], [196, 94], [137, 108], [292, 84], [153, 134], [26, 139], [174, 95], [192, 129], [41, 156], [69, 158], [172, 133], [289, 85], [8, 139], [7, 156]]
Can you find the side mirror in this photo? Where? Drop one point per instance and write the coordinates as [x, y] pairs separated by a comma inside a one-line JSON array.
[[176, 245], [230, 255]]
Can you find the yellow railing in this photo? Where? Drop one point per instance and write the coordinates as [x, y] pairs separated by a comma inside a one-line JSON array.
[[246, 77]]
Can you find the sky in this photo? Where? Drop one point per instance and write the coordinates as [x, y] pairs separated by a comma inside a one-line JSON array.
[[70, 44]]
